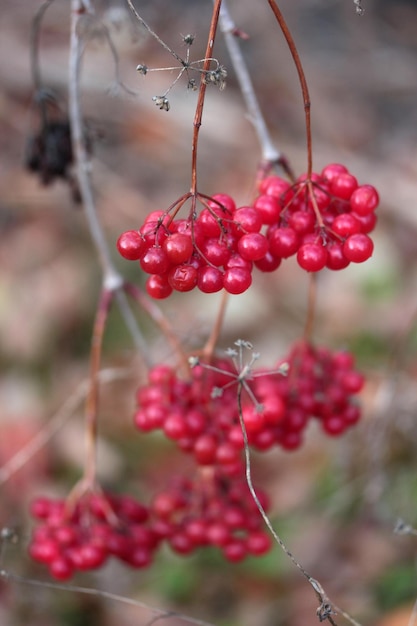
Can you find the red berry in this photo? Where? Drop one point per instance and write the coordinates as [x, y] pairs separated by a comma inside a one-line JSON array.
[[345, 224], [131, 245], [364, 200], [155, 261], [210, 279], [178, 248], [336, 260], [183, 277], [248, 219], [312, 257], [252, 246], [333, 171], [237, 280], [158, 287], [283, 242], [343, 186], [268, 208], [358, 248], [268, 263]]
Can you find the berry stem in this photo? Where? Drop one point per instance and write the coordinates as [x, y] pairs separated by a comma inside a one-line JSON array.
[[112, 279], [202, 92], [326, 608], [155, 313], [311, 307], [303, 82], [104, 304], [211, 342]]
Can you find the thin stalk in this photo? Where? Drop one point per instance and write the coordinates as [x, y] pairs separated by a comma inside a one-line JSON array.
[[155, 313], [311, 307], [91, 412], [112, 279], [301, 76], [202, 92], [214, 335]]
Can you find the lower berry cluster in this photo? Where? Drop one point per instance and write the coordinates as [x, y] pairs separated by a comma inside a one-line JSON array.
[[324, 220], [210, 511]]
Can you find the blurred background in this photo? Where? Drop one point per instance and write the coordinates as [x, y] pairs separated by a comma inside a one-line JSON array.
[[335, 502]]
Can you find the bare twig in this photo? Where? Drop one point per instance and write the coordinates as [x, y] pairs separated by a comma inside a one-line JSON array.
[[112, 280]]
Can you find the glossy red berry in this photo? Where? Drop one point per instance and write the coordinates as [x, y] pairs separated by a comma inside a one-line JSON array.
[[312, 257], [131, 245], [358, 248]]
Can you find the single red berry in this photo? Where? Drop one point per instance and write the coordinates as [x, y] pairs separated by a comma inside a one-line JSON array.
[[302, 221], [367, 222], [237, 280], [210, 279], [178, 248], [183, 277], [343, 186], [336, 260], [283, 242], [61, 568], [155, 261], [268, 263], [131, 245], [312, 257], [346, 224], [158, 287], [358, 248], [258, 543], [268, 208], [223, 201], [252, 246], [247, 219], [215, 252], [364, 200], [333, 171]]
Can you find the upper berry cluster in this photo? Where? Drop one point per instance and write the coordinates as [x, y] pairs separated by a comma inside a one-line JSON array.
[[324, 220]]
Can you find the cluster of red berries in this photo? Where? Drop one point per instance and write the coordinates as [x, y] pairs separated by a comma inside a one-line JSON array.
[[325, 220], [82, 537], [201, 414], [212, 511]]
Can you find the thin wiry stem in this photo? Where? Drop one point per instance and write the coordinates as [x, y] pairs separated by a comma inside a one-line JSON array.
[[112, 280], [153, 33], [302, 78], [202, 92], [326, 609], [106, 595]]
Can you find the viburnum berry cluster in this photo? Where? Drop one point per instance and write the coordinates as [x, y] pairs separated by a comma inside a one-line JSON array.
[[202, 416], [83, 536], [211, 511], [324, 219]]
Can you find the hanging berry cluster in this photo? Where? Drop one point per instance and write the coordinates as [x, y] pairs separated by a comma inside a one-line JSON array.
[[324, 220], [209, 511], [202, 416]]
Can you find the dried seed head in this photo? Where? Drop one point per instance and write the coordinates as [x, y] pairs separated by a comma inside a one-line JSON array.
[[161, 102], [216, 77], [188, 39]]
